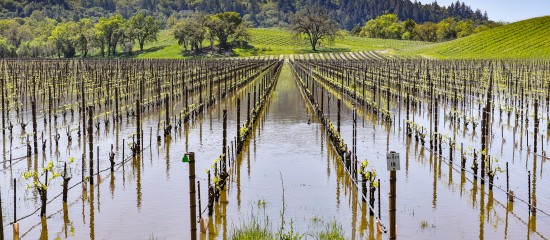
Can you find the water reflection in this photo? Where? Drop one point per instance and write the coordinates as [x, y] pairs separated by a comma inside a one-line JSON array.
[[317, 178]]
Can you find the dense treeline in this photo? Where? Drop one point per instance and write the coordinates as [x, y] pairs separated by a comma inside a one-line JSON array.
[[40, 36], [226, 28], [264, 13], [388, 26]]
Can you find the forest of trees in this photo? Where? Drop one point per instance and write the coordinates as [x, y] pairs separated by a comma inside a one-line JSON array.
[[40, 36], [388, 26], [226, 28], [68, 28], [263, 13]]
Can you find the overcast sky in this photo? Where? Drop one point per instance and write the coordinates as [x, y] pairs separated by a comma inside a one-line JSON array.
[[505, 10]]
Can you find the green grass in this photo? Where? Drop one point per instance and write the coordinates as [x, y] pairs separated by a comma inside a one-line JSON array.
[[526, 39], [273, 41]]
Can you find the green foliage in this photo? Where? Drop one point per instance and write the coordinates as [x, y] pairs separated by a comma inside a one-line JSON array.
[[315, 24], [190, 32], [348, 14], [520, 40], [385, 26], [224, 26], [332, 231], [252, 231], [388, 26], [6, 49], [36, 176], [109, 31], [143, 28], [64, 38]]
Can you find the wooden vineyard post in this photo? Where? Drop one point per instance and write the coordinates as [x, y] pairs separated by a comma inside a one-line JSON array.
[[254, 102], [339, 103], [210, 189], [3, 105], [238, 142], [322, 100], [379, 209], [15, 223], [91, 143], [34, 125], [328, 105], [529, 187], [224, 144], [192, 198], [65, 183], [116, 102], [485, 129], [248, 108], [138, 131], [392, 165], [83, 105], [354, 146], [363, 184], [536, 133], [168, 126]]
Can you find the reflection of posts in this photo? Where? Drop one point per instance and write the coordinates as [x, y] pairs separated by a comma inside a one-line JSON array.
[[15, 223], [1, 218]]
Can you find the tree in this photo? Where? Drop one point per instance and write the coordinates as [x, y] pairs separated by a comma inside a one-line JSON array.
[[446, 29], [85, 35], [109, 30], [241, 37], [65, 38], [409, 25], [315, 23], [464, 28], [190, 32], [426, 32], [223, 26], [6, 49], [17, 33], [384, 26], [145, 28]]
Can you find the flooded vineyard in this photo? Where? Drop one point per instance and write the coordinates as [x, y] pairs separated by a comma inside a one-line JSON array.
[[95, 149]]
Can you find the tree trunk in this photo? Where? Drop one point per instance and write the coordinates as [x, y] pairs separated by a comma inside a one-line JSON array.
[[313, 43], [141, 43]]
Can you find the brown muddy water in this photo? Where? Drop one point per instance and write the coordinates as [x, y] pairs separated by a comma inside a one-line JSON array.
[[148, 197]]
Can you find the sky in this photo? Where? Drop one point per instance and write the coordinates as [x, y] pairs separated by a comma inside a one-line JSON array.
[[505, 10]]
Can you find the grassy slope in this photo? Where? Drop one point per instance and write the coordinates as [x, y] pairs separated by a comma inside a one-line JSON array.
[[278, 41], [519, 40]]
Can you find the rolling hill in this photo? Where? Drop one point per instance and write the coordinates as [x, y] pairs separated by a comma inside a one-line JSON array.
[[276, 41], [527, 39]]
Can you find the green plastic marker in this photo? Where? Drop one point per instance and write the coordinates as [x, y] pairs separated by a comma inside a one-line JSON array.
[[185, 158]]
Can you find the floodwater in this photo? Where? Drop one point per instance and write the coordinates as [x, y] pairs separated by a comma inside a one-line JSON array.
[[287, 168]]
